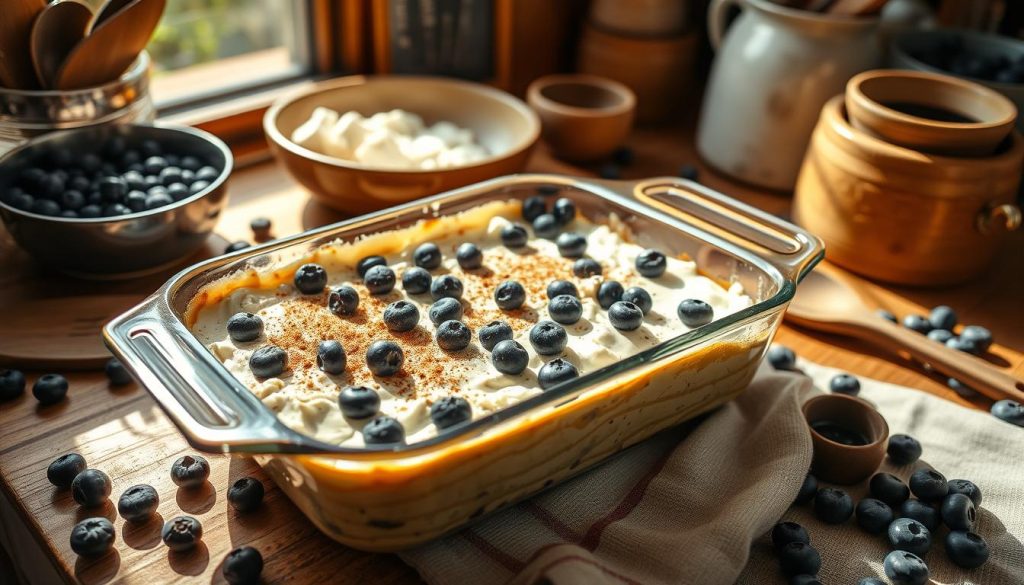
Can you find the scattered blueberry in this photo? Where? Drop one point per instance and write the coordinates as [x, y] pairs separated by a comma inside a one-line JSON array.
[[625, 316], [923, 512], [545, 226], [450, 411], [246, 494], [556, 372], [548, 338], [446, 285], [235, 246], [343, 300], [609, 293], [807, 490], [453, 335], [138, 503], [243, 327], [940, 335], [562, 287], [873, 515], [493, 333], [379, 280], [445, 309], [358, 402], [384, 358], [243, 566], [427, 256], [639, 297], [268, 361], [798, 558], [383, 430], [565, 309], [942, 317], [689, 172], [514, 236], [117, 374], [623, 156], [1010, 411], [917, 323], [910, 535], [469, 256], [928, 485], [12, 384], [50, 389], [585, 267], [90, 488], [571, 244], [651, 263], [967, 488], [260, 227], [416, 280], [509, 295], [533, 207], [844, 384], [888, 488], [331, 358], [63, 470], [833, 505], [510, 357], [966, 549], [695, 313], [786, 532], [401, 316], [905, 568], [958, 512], [369, 262], [981, 337], [92, 537], [190, 471], [564, 210], [182, 533], [904, 449], [963, 344]]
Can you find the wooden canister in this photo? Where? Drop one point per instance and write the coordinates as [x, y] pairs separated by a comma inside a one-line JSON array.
[[902, 216]]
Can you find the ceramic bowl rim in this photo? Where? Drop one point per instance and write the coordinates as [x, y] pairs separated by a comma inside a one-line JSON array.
[[626, 98]]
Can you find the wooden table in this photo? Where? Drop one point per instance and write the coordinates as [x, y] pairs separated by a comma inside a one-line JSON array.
[[123, 432]]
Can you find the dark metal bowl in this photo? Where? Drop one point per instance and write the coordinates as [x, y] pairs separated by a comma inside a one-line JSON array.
[[129, 245]]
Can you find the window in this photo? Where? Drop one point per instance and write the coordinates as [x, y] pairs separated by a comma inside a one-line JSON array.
[[205, 49]]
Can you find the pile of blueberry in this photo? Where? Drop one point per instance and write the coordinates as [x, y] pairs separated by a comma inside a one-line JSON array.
[[117, 181], [951, 55], [93, 537]]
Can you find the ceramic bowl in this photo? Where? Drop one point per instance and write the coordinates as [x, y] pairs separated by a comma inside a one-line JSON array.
[[584, 117], [500, 122], [929, 112], [840, 462]]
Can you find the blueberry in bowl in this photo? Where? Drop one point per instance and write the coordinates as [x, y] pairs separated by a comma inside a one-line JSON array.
[[92, 214]]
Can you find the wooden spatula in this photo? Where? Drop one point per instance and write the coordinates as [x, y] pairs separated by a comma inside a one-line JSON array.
[[57, 30], [16, 18]]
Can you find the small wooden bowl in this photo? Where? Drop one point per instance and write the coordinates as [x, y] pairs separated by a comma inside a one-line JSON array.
[[929, 112], [584, 117], [837, 462]]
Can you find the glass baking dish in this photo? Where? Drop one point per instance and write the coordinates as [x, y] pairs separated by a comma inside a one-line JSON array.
[[387, 498]]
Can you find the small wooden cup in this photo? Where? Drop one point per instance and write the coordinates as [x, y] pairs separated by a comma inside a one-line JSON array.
[[583, 117], [846, 464]]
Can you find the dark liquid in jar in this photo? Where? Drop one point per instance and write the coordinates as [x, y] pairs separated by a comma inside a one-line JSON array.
[[929, 112], [838, 433]]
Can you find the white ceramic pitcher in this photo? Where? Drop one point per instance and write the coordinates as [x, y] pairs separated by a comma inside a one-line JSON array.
[[774, 71]]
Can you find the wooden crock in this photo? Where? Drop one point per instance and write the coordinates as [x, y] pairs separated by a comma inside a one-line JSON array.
[[902, 216]]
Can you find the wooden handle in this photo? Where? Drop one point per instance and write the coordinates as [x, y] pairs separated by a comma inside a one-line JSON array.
[[972, 371]]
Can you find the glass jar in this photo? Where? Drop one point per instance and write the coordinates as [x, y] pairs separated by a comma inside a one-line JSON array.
[[26, 114]]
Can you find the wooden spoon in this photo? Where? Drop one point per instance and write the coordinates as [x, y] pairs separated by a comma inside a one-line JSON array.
[[58, 28], [16, 70], [107, 10], [112, 47], [826, 303]]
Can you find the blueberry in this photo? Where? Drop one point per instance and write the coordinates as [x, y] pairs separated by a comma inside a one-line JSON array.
[[242, 566], [246, 494], [401, 316], [196, 187], [958, 512], [509, 295], [453, 335], [922, 512], [889, 488], [450, 411], [548, 338], [112, 189], [150, 148], [80, 183], [963, 344], [966, 549], [786, 532], [207, 173], [639, 297], [981, 337], [942, 317], [50, 389], [117, 374], [446, 285], [136, 201], [358, 402], [961, 389], [808, 489], [609, 293], [469, 256], [610, 171], [562, 287], [695, 313], [379, 280], [571, 244], [72, 200], [873, 515], [651, 263], [369, 262], [416, 280], [69, 213], [844, 384], [493, 333], [910, 535], [383, 430], [1010, 411], [63, 470], [689, 172], [331, 357], [509, 357], [384, 358], [917, 323], [170, 175], [905, 568], [556, 372], [940, 335], [182, 533], [427, 256], [260, 227], [180, 191], [236, 246], [90, 211], [22, 201], [870, 581], [244, 327], [565, 309], [904, 449], [154, 165], [967, 488], [623, 156], [928, 485], [191, 163], [798, 558], [12, 384], [115, 209], [138, 503], [162, 200], [545, 226], [625, 316], [446, 309], [268, 361], [833, 505], [343, 300], [310, 279], [47, 207], [533, 207], [585, 267], [564, 210], [804, 579], [190, 471], [92, 537], [514, 236], [90, 488]]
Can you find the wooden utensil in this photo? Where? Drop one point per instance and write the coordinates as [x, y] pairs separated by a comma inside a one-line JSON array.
[[112, 46], [826, 303], [57, 29], [106, 11], [16, 70], [855, 7]]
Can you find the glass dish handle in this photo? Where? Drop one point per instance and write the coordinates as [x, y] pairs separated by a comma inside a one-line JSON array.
[[790, 248]]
